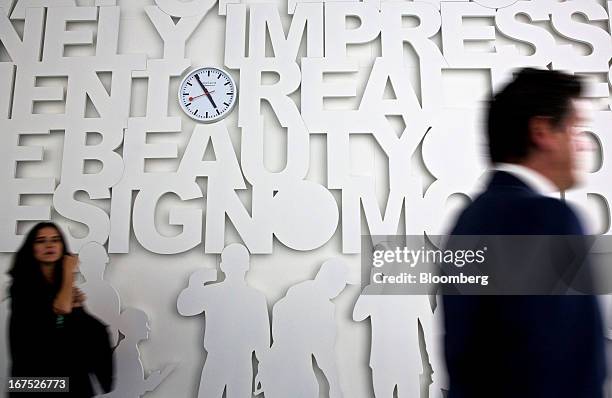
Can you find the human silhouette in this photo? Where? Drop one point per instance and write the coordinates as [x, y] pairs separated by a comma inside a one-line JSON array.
[[435, 351], [303, 327], [102, 299], [130, 379], [395, 357], [188, 303], [237, 324]]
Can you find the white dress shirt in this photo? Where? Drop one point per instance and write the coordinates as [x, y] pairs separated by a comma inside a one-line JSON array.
[[532, 178]]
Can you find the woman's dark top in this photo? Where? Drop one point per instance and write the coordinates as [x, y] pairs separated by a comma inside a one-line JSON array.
[[44, 344]]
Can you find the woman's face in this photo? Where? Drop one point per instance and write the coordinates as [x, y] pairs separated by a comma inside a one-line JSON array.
[[48, 247]]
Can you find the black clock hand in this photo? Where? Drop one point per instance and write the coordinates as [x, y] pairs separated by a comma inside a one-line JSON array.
[[205, 91]]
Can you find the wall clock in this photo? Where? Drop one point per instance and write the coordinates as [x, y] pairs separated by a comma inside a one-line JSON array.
[[207, 94]]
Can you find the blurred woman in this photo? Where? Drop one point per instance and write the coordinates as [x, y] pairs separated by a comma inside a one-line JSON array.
[[48, 329]]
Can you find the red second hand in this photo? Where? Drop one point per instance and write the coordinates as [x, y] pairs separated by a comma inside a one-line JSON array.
[[197, 96]]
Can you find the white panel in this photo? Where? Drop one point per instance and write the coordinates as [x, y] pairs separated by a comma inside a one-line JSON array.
[[7, 78], [456, 139], [6, 6], [175, 36], [255, 229], [28, 49], [455, 33], [313, 91], [358, 193], [113, 109], [28, 93], [12, 210], [252, 92], [337, 36], [406, 104], [135, 151], [235, 35], [431, 61], [178, 8], [56, 35], [610, 15], [223, 6], [21, 7], [159, 72], [225, 166], [598, 39], [294, 207], [75, 178], [541, 39], [495, 3], [302, 215], [190, 219], [107, 39], [307, 20]]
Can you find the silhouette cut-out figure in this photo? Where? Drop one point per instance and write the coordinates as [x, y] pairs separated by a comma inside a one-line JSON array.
[[303, 327], [395, 355], [130, 379], [237, 324], [188, 303], [102, 299], [435, 351]]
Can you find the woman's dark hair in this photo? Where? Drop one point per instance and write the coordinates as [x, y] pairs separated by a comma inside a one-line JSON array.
[[25, 267], [533, 92]]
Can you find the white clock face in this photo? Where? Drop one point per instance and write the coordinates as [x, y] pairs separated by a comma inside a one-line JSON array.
[[207, 94]]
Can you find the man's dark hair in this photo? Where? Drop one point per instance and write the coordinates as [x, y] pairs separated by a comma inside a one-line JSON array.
[[533, 92]]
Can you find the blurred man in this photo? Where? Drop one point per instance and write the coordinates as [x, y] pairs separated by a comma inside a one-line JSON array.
[[526, 346]]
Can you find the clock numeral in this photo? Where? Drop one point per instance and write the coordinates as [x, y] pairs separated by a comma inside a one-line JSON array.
[[189, 84], [207, 115], [218, 112], [226, 104], [188, 104], [230, 93], [208, 73], [185, 93], [227, 83], [196, 112]]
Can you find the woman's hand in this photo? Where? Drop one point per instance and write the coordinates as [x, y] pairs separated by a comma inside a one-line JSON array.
[[71, 263], [64, 300], [78, 297]]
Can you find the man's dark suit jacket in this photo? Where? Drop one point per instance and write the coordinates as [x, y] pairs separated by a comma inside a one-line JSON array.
[[522, 346]]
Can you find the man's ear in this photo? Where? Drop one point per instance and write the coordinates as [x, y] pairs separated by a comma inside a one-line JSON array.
[[541, 133]]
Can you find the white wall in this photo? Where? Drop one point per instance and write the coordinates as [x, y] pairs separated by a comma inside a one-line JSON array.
[[152, 282]]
